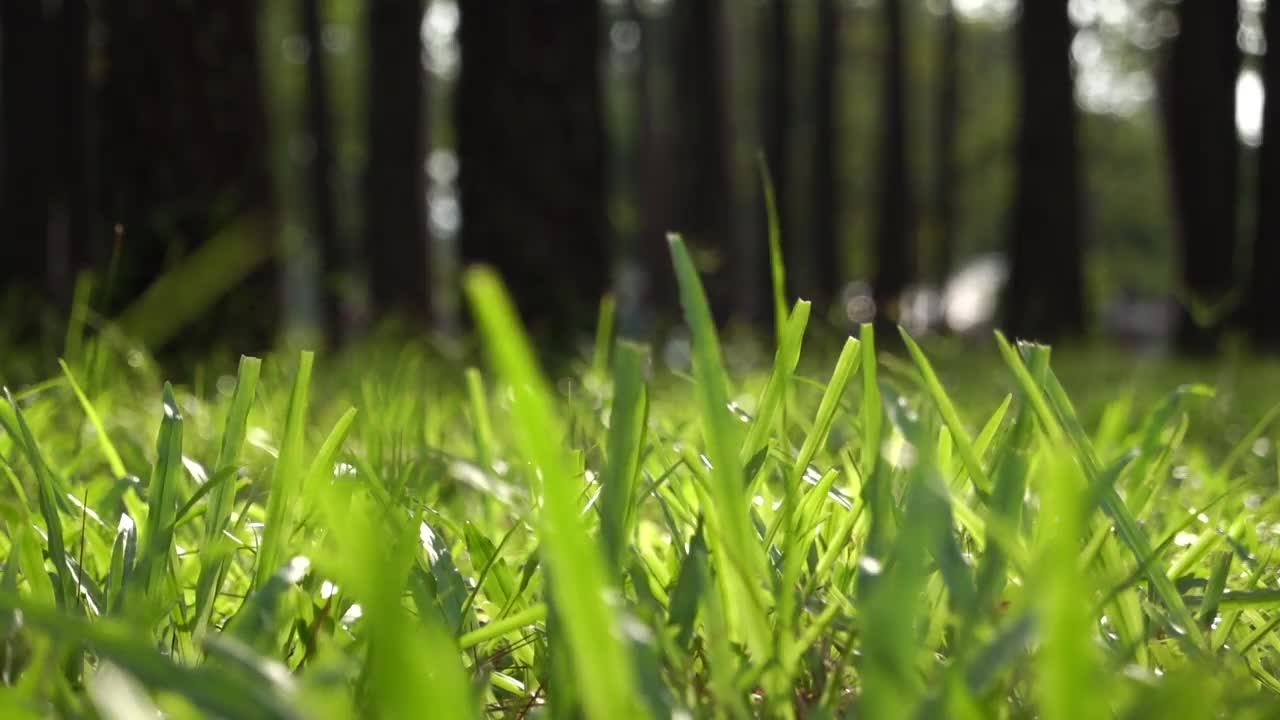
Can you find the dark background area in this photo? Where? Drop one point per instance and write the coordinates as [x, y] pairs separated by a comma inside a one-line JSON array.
[[240, 173]]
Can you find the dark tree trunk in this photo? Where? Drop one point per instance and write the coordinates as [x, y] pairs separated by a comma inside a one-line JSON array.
[[183, 143], [775, 97], [71, 211], [828, 274], [1264, 302], [700, 181], [895, 251], [656, 168], [531, 146], [25, 208], [1200, 111], [1045, 295], [334, 260], [944, 191], [395, 198]]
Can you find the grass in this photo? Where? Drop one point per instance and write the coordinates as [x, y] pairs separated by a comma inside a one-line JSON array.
[[383, 533]]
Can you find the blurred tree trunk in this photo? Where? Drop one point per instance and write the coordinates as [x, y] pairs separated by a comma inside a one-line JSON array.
[[945, 176], [71, 212], [775, 101], [1200, 112], [895, 251], [702, 186], [25, 207], [1045, 295], [183, 146], [828, 274], [334, 259], [395, 199], [656, 167], [1264, 302], [531, 147]]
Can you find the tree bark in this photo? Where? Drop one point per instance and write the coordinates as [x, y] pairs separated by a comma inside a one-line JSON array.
[[1045, 295], [183, 144], [656, 168], [334, 259], [395, 198], [702, 186], [25, 206], [531, 146], [1264, 302], [944, 192], [1200, 110], [895, 251], [828, 275]]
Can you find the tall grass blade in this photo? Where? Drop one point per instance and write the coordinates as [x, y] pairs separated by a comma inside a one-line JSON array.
[[578, 578], [286, 478], [626, 438]]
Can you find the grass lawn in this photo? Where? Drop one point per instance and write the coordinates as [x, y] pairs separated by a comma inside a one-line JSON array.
[[853, 534]]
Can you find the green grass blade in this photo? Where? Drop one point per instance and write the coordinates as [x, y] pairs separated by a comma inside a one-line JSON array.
[[739, 557], [777, 265], [48, 494], [162, 497], [626, 438], [773, 397], [579, 581], [286, 479], [604, 335], [483, 426], [220, 502], [1070, 682], [963, 442], [1126, 526], [109, 452]]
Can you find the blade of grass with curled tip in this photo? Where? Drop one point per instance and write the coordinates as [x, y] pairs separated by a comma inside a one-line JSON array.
[[579, 581], [739, 557], [48, 493], [286, 479], [625, 442], [109, 452]]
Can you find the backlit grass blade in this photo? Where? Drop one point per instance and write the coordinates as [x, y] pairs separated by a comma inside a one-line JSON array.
[[233, 434], [604, 334], [1069, 679], [222, 496], [286, 478], [735, 551], [482, 426], [947, 409], [162, 497], [774, 394], [793, 507], [578, 578], [626, 437], [1126, 526], [109, 452], [777, 266], [48, 493]]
